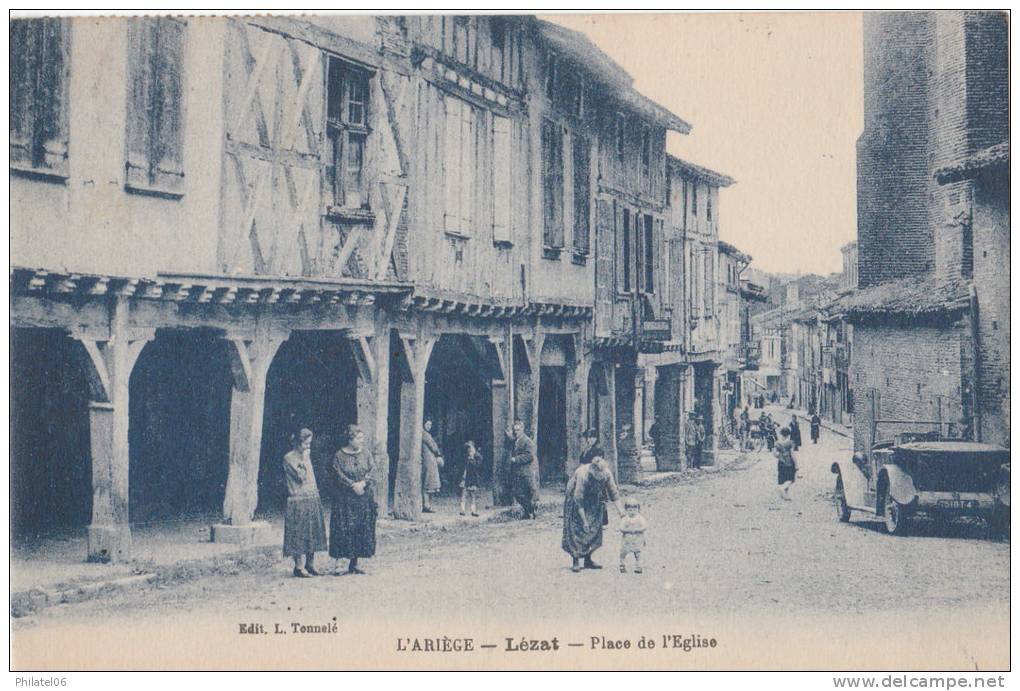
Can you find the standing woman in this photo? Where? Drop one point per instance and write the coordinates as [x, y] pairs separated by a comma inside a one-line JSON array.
[[352, 523], [584, 510], [795, 433], [431, 462], [304, 531]]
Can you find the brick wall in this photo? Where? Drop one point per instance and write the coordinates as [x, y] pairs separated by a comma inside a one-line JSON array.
[[991, 280], [894, 151], [916, 372], [987, 47]]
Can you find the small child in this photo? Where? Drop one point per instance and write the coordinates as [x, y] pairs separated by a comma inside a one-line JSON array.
[[469, 483], [633, 527]]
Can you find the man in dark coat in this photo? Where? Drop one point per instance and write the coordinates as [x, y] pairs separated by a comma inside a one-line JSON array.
[[522, 477], [795, 433], [694, 436], [816, 428]]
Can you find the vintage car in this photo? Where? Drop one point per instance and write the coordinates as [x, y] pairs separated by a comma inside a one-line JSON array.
[[905, 478]]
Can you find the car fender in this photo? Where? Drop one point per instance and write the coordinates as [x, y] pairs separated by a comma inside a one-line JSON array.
[[854, 481], [899, 484]]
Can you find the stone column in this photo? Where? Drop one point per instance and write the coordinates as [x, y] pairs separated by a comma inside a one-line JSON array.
[[372, 355], [111, 358], [407, 494], [250, 358]]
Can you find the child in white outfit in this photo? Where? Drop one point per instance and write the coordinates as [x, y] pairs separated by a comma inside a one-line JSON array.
[[633, 526]]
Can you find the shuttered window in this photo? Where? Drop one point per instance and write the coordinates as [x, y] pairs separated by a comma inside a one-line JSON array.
[[38, 94], [459, 166], [552, 184], [502, 167], [582, 194], [649, 254], [155, 132]]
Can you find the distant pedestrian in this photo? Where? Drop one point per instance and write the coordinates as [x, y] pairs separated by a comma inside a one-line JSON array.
[[352, 523], [816, 428], [632, 527], [694, 437], [584, 510], [304, 528], [523, 458], [431, 462], [745, 427], [786, 466], [795, 433], [628, 457], [470, 481], [588, 440], [769, 427]]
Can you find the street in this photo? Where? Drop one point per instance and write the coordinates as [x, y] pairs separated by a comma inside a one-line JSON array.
[[724, 552]]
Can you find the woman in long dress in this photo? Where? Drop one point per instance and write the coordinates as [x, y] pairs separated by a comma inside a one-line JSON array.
[[304, 530], [431, 462], [584, 509], [352, 523]]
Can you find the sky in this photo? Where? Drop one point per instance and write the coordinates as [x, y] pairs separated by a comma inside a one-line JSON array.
[[775, 101]]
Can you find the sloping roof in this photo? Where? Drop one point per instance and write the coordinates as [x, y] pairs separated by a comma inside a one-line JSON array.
[[702, 173], [731, 250], [579, 48], [913, 296], [969, 166]]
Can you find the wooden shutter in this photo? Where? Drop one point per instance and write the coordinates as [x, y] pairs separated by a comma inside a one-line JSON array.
[[582, 194], [24, 66], [620, 241], [452, 163], [605, 248], [501, 176], [468, 162], [38, 107], [552, 184], [154, 111]]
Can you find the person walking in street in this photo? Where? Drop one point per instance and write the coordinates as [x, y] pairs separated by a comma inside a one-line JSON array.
[[745, 428], [816, 427], [694, 436], [354, 515], [431, 462], [786, 466], [795, 433], [304, 528], [628, 456], [584, 510], [769, 428], [522, 478], [470, 481], [632, 527], [588, 439]]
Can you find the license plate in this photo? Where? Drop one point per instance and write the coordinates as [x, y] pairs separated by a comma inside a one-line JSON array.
[[957, 504]]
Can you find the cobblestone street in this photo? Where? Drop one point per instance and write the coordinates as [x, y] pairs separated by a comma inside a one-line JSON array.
[[741, 555]]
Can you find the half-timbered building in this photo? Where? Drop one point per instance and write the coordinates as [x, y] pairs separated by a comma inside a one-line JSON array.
[[225, 229]]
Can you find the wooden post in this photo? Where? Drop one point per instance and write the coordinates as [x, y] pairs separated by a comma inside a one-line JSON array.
[[502, 404], [249, 359], [108, 368], [607, 416], [407, 498], [576, 417], [372, 355]]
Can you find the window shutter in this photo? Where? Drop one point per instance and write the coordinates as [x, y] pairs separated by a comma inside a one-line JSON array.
[[38, 95], [501, 175], [52, 96], [621, 256], [140, 34], [582, 194], [24, 63], [452, 165], [467, 168], [154, 114], [169, 165]]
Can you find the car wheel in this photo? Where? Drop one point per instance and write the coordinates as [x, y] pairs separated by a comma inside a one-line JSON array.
[[897, 516], [842, 510]]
